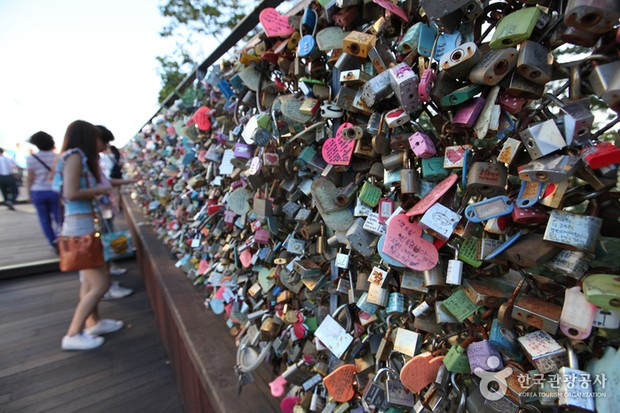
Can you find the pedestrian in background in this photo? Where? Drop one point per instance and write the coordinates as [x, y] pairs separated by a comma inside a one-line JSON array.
[[8, 182], [77, 177], [39, 184]]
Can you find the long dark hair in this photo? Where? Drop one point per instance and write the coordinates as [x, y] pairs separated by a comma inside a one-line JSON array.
[[83, 135]]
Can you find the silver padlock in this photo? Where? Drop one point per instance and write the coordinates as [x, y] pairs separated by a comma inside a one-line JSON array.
[[572, 231], [377, 89], [575, 390], [404, 82], [535, 62], [605, 82], [459, 62], [543, 351], [361, 240], [542, 139], [494, 66], [551, 168], [487, 179]]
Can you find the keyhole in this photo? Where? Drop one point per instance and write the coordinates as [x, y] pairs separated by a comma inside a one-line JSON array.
[[535, 73], [355, 49], [573, 331], [614, 302], [590, 19], [457, 55], [502, 66]]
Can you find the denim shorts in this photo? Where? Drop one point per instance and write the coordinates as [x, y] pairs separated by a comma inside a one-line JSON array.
[[76, 225]]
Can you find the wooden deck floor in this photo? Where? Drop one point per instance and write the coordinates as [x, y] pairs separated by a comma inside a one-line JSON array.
[[21, 239], [129, 373]]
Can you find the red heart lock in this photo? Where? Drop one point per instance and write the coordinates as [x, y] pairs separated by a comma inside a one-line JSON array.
[[420, 371], [339, 383]]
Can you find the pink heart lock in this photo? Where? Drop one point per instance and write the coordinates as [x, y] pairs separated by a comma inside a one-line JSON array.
[[337, 150], [274, 23], [404, 243]]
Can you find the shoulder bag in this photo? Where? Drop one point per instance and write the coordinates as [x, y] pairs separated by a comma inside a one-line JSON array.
[[81, 252]]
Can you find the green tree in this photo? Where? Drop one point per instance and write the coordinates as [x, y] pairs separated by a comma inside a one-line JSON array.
[[187, 20]]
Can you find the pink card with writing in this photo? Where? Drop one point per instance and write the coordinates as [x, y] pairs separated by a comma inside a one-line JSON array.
[[337, 150], [404, 243], [274, 23]]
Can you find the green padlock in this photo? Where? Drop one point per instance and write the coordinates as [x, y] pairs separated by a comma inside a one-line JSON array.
[[515, 28], [370, 194], [456, 360], [468, 252], [460, 95], [460, 305], [433, 170], [305, 156], [602, 290]]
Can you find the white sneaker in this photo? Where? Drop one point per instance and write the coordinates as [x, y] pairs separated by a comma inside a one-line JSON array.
[[104, 326], [114, 270], [82, 341], [116, 291]]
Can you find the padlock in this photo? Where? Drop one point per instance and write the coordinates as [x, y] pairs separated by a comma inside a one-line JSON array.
[[409, 180], [396, 117], [605, 83], [601, 155], [543, 351], [459, 62], [458, 96], [381, 56], [468, 113], [504, 340], [481, 355], [534, 62], [404, 82], [530, 251], [577, 120], [494, 66], [369, 194], [456, 360], [397, 395], [572, 264], [433, 170], [487, 294], [602, 290], [454, 272], [487, 179], [521, 87], [515, 28], [440, 221], [542, 139], [592, 16], [551, 169], [575, 386], [360, 240], [376, 89], [396, 303], [358, 44], [577, 315], [374, 393], [537, 313], [572, 231], [354, 78], [447, 15]]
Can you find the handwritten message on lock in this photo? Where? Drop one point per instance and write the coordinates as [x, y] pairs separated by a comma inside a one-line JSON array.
[[404, 243], [274, 23], [339, 384], [337, 150]]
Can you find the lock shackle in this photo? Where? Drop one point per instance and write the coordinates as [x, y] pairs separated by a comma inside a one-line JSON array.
[[345, 308], [381, 372], [301, 23], [258, 357]]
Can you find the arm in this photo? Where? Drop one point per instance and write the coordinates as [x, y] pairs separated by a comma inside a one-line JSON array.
[[71, 182], [119, 182]]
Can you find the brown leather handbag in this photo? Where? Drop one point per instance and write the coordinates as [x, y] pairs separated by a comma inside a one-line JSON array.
[[81, 252]]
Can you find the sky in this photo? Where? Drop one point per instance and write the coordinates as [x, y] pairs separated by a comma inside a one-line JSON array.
[[64, 60]]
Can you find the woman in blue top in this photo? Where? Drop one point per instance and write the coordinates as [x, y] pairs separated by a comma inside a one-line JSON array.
[[77, 178]]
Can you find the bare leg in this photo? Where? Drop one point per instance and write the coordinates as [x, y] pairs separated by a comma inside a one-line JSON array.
[[95, 282]]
